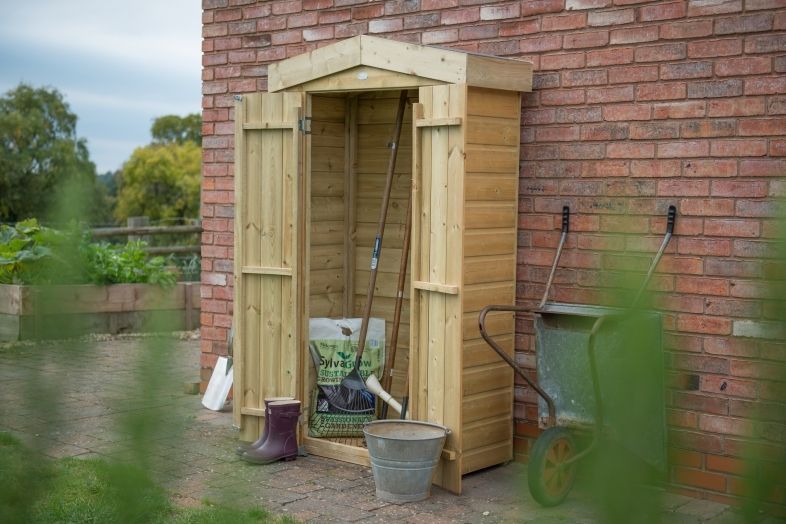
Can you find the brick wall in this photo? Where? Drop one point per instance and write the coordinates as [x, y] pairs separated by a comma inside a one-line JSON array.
[[637, 104]]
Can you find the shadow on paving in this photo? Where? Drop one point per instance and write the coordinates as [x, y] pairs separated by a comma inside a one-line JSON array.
[[194, 452]]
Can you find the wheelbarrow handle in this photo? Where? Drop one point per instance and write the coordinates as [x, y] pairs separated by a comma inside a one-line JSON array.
[[504, 356]]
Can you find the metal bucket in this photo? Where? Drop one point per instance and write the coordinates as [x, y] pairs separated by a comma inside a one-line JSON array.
[[403, 456]]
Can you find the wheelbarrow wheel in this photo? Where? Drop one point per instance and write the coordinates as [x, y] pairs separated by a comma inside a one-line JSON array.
[[550, 478]]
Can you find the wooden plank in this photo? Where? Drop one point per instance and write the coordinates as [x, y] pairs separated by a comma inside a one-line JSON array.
[[487, 432], [378, 136], [426, 62], [314, 64], [326, 305], [250, 126], [477, 352], [490, 187], [263, 270], [498, 324], [386, 285], [493, 131], [327, 209], [350, 203], [490, 215], [327, 281], [485, 405], [327, 233], [365, 78], [326, 183], [492, 159], [336, 451], [254, 412], [477, 296], [435, 287], [494, 268], [326, 133], [326, 257], [499, 73], [492, 102], [486, 241], [489, 377], [438, 122], [327, 109], [329, 160], [487, 456]]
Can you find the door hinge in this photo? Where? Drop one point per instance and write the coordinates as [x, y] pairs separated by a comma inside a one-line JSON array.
[[304, 125]]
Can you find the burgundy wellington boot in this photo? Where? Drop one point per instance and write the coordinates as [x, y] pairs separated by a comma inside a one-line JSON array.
[[281, 443], [261, 440]]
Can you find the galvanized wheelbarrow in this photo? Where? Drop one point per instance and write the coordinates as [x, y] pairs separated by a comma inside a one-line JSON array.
[[600, 373]]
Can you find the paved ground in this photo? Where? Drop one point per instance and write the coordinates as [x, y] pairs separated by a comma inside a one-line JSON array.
[[100, 388]]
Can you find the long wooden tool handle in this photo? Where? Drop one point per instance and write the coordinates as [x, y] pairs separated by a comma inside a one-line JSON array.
[[383, 212], [387, 377]]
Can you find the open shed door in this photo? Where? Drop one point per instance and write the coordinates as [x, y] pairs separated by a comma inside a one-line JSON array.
[[437, 246], [268, 254]]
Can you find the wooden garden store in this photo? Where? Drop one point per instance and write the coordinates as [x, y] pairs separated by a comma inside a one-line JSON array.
[[311, 156]]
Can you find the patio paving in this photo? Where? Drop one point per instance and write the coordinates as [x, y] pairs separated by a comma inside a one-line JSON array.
[[92, 387]]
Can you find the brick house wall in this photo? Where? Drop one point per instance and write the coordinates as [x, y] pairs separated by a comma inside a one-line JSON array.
[[637, 104]]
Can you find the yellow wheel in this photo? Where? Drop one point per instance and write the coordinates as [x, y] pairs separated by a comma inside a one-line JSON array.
[[550, 478]]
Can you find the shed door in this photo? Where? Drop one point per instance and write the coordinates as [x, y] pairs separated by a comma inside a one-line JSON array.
[[436, 321], [268, 231]]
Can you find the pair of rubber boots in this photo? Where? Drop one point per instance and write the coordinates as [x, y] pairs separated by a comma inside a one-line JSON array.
[[279, 438]]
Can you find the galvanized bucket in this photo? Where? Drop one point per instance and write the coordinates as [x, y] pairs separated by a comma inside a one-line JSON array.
[[403, 456]]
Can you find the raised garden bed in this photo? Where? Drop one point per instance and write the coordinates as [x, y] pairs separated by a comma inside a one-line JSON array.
[[31, 312]]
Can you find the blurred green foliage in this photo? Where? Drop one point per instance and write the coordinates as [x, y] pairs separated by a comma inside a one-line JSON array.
[[174, 129], [39, 153], [33, 254]]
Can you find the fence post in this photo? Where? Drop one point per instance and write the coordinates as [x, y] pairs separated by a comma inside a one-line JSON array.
[[137, 222]]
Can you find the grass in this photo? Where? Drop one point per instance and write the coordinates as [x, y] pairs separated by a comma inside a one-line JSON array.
[[37, 490]]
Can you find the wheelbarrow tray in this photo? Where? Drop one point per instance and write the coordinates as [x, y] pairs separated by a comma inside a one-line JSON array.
[[629, 365]]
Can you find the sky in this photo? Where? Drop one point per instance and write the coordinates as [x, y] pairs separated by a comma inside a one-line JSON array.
[[119, 64]]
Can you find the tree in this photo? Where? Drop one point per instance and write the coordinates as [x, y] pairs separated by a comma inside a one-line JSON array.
[[160, 181], [40, 155], [173, 129]]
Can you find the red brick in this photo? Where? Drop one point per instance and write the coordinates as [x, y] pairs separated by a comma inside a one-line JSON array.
[[739, 189], [686, 70], [562, 61], [498, 12], [765, 86], [765, 44], [744, 24], [696, 441], [615, 17], [318, 33], [731, 227], [743, 66], [762, 127], [562, 97], [704, 324], [625, 75], [661, 91], [607, 57], [313, 5], [606, 95], [579, 115], [461, 16], [683, 149], [713, 7], [582, 40], [557, 134], [660, 53], [759, 168], [654, 130], [632, 36], [691, 109], [714, 48], [627, 112], [685, 458], [581, 151], [536, 7], [630, 150], [777, 147], [710, 168], [662, 11], [540, 43], [726, 425], [739, 148], [563, 22], [287, 6], [586, 4], [701, 285], [708, 128], [386, 25], [683, 188], [727, 465], [655, 168], [367, 11], [736, 107], [591, 77], [684, 30], [502, 48], [522, 27], [474, 32], [428, 5], [439, 36], [699, 479]]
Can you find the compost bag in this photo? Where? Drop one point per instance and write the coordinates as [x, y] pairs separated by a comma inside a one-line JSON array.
[[333, 345]]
